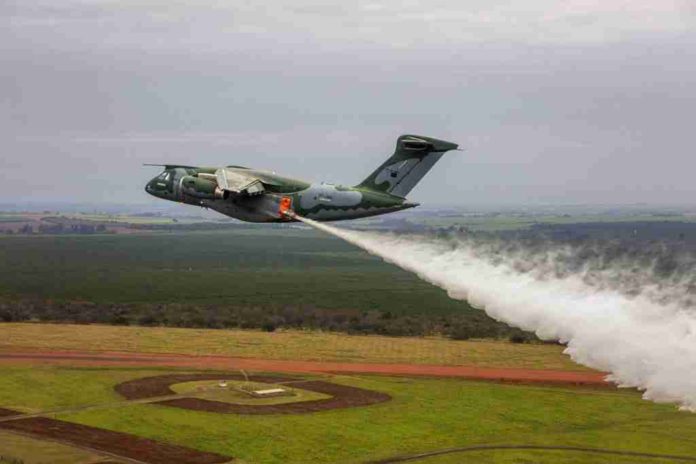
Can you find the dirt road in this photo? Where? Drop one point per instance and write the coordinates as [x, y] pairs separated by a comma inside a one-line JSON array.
[[512, 375]]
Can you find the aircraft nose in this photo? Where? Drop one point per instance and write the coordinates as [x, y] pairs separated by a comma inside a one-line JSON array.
[[153, 188]]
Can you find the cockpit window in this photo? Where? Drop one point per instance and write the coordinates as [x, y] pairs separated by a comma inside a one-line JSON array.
[[163, 177]]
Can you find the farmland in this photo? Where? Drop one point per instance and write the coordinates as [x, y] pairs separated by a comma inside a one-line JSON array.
[[422, 415], [272, 267], [61, 388], [285, 344], [268, 278]]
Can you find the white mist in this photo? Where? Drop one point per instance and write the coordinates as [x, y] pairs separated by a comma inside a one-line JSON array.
[[646, 340]]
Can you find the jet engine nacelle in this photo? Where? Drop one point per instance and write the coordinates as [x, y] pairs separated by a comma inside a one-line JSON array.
[[200, 188]]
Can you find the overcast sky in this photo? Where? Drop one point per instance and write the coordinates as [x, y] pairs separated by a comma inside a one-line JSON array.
[[554, 102]]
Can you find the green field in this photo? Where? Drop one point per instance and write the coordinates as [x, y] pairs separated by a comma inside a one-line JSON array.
[[285, 344], [268, 267], [35, 451], [255, 277], [510, 222], [424, 415], [235, 392]]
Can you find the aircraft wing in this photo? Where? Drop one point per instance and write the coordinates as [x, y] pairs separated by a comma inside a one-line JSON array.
[[238, 182]]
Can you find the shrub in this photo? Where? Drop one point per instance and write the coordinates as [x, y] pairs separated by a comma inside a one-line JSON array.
[[268, 326]]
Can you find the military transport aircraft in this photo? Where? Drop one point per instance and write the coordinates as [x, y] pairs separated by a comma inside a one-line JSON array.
[[261, 196]]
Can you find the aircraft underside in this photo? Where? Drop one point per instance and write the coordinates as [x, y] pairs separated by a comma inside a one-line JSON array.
[[252, 213]]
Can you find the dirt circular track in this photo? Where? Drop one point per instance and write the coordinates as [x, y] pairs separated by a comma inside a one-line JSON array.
[[512, 375], [342, 396], [577, 449]]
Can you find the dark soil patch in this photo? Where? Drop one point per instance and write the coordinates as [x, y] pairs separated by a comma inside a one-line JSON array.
[[8, 412], [117, 443], [342, 396]]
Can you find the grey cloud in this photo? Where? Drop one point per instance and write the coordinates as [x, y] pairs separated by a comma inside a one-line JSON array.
[[553, 101]]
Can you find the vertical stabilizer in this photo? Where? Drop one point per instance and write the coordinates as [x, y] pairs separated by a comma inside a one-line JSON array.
[[413, 158]]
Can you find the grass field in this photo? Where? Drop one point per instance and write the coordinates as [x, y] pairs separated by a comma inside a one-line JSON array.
[[38, 389], [34, 451], [424, 415], [510, 222], [235, 392], [291, 344], [267, 267]]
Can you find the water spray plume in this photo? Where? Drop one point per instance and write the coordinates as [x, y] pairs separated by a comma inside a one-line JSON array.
[[615, 318]]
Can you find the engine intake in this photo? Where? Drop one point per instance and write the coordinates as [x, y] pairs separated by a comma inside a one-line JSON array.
[[199, 188]]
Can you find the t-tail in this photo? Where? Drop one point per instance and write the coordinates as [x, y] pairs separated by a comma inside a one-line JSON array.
[[413, 158]]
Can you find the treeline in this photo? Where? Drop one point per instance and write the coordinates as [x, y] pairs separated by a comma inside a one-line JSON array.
[[458, 326], [57, 229], [199, 226]]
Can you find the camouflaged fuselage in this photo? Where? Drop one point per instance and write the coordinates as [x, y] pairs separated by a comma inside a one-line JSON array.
[[260, 196]]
